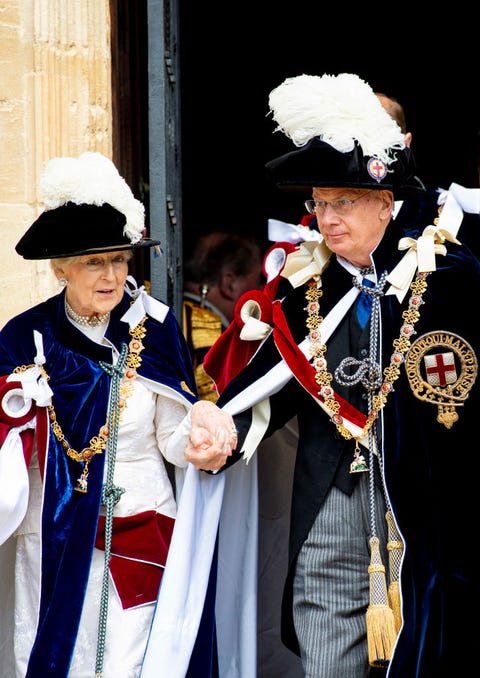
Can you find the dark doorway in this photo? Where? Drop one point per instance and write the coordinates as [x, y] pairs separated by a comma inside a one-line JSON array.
[[130, 106], [234, 54]]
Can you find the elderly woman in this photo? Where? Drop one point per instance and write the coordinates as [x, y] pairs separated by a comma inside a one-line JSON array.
[[97, 393]]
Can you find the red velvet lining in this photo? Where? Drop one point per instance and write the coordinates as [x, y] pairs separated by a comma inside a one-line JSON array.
[[302, 368], [139, 551]]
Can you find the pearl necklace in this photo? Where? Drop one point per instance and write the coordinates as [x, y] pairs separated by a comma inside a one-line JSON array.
[[86, 320]]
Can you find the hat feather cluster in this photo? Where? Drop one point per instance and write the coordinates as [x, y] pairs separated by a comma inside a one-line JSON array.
[[92, 179], [339, 110]]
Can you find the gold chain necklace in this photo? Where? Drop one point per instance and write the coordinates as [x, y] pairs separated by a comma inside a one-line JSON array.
[[391, 372], [98, 443]]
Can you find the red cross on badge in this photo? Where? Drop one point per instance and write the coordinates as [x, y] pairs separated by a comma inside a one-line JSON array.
[[376, 169], [445, 378], [440, 369]]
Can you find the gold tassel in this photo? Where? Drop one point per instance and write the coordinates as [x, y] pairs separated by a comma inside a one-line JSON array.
[[395, 553], [381, 633], [395, 604]]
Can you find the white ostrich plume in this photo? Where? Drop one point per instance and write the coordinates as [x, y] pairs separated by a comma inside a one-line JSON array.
[[92, 179], [339, 109]]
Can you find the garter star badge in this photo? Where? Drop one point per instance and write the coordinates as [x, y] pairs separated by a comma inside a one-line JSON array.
[[441, 368]]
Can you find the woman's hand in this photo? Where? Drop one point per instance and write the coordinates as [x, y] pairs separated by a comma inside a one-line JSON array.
[[212, 438]]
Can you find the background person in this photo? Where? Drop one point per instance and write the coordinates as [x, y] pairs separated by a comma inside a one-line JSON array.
[[219, 269], [97, 391]]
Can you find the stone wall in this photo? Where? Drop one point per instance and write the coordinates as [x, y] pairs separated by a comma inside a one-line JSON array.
[[55, 99]]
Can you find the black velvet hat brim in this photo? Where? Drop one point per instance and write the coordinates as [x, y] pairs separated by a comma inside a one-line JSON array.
[[318, 164], [73, 230]]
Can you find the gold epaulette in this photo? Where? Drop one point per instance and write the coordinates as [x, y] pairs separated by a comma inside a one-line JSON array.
[[205, 385], [202, 327]]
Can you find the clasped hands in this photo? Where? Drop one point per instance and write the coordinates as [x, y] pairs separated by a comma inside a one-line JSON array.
[[212, 437]]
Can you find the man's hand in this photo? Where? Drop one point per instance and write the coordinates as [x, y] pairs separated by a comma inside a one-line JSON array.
[[212, 438]]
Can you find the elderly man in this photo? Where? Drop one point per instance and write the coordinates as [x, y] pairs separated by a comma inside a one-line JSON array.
[[373, 346]]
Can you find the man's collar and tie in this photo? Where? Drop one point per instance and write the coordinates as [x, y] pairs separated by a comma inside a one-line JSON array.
[[363, 305]]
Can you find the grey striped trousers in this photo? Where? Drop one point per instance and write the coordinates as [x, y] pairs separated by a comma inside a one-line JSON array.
[[331, 585]]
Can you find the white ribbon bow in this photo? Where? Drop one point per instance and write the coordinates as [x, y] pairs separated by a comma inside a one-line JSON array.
[[253, 328], [144, 304], [309, 261], [421, 253], [34, 383], [455, 201], [281, 231]]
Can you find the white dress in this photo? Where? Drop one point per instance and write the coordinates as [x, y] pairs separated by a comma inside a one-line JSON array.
[[150, 426]]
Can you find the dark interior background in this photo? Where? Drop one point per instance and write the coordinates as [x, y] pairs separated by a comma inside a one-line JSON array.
[[233, 54]]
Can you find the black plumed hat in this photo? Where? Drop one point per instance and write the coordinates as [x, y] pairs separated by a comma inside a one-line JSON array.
[[89, 208], [343, 138]]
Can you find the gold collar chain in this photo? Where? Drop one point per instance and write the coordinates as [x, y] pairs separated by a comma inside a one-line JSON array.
[[98, 443], [390, 374]]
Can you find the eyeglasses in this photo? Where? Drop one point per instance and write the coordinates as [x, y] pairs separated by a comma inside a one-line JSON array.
[[341, 206], [95, 263]]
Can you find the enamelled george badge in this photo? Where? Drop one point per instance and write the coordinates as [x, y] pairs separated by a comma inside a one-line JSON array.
[[441, 368]]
